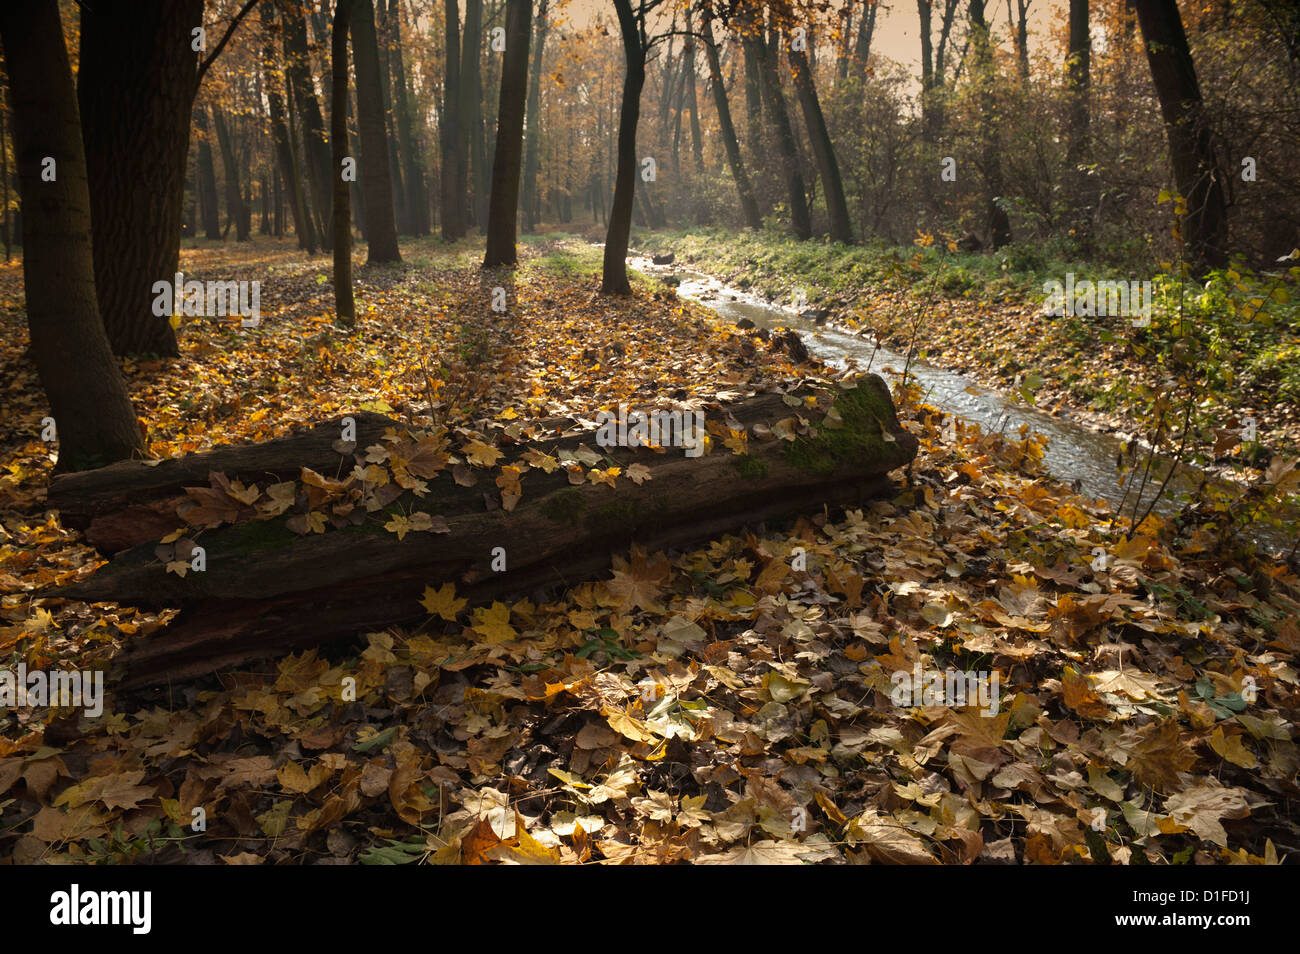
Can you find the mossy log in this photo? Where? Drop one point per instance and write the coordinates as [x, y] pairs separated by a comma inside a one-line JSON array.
[[266, 590]]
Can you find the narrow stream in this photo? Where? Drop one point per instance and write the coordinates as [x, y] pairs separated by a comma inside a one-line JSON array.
[[1073, 453]]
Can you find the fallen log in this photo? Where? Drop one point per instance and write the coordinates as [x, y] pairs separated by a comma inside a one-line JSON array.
[[349, 548], [131, 502]]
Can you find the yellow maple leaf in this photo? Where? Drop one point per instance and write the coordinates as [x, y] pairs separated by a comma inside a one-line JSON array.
[[484, 455], [493, 623], [442, 601], [398, 525]]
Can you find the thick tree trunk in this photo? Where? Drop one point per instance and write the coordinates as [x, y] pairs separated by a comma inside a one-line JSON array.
[[828, 168], [288, 164], [343, 304], [136, 86], [1197, 172], [317, 158], [532, 141], [94, 421], [381, 229], [267, 590], [235, 207], [453, 158], [508, 158], [614, 272], [774, 99], [748, 204]]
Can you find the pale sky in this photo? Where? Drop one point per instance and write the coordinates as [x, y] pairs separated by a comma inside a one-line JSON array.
[[897, 25]]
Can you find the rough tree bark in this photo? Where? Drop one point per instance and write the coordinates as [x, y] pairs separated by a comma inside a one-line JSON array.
[[137, 79], [93, 417]]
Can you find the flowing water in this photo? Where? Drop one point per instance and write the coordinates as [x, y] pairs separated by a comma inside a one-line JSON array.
[[1074, 452]]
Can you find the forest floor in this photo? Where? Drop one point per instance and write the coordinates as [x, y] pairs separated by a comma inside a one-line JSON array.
[[713, 706], [981, 314]]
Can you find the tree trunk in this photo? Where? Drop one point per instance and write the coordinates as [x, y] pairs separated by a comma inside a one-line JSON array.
[[800, 220], [693, 101], [288, 164], [95, 423], [317, 147], [1078, 149], [357, 185], [343, 304], [866, 29], [209, 211], [1021, 28], [1197, 172], [136, 86], [751, 52], [235, 207], [4, 160], [614, 271], [417, 195], [267, 590], [532, 140], [748, 204], [999, 223], [384, 49], [381, 229], [508, 155], [474, 184], [453, 159], [823, 151], [923, 12]]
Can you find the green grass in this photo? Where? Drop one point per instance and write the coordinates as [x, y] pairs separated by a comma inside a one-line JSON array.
[[776, 265]]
